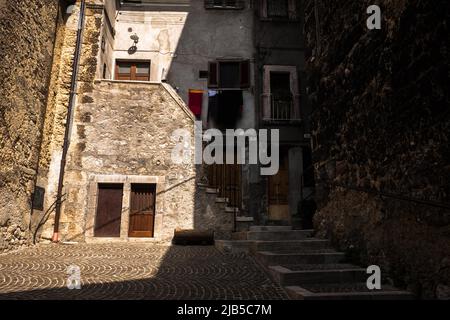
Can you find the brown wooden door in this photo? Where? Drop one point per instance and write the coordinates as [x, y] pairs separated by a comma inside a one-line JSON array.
[[109, 210], [142, 210], [227, 179], [279, 191]]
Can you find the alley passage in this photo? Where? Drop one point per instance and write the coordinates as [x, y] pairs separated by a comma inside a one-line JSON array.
[[133, 271]]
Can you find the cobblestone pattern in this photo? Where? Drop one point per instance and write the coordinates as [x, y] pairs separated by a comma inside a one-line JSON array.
[[133, 271]]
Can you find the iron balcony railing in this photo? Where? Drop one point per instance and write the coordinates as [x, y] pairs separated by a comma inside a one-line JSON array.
[[280, 108], [225, 4]]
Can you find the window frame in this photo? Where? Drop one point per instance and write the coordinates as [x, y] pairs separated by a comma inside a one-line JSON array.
[[239, 5], [292, 12], [244, 77], [133, 75], [267, 91]]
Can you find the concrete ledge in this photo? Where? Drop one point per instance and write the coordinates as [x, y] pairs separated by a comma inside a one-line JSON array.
[[270, 228], [299, 293], [244, 219], [211, 190], [272, 258], [287, 277], [231, 209], [233, 246], [221, 200]]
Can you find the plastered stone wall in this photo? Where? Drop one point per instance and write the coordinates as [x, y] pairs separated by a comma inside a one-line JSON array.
[[27, 33], [381, 122], [121, 130], [125, 129]]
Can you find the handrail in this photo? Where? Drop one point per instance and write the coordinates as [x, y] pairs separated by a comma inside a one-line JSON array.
[[431, 203]]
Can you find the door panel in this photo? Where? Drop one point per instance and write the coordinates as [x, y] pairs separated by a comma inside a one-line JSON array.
[[227, 178], [279, 191], [142, 210], [109, 210]]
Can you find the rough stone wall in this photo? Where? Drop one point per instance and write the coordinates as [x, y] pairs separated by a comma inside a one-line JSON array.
[[118, 129], [27, 32], [381, 122], [125, 129]]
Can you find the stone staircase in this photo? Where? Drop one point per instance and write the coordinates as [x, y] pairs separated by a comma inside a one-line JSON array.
[[308, 268], [218, 204]]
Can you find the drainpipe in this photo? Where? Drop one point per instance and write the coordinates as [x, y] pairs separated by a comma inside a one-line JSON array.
[[73, 89]]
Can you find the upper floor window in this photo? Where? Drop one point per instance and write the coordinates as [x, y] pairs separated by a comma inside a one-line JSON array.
[[153, 2], [229, 74], [225, 4], [133, 70], [279, 9], [281, 99]]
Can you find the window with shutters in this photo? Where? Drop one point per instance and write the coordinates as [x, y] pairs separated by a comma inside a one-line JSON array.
[[132, 70], [279, 9], [229, 74], [225, 4]]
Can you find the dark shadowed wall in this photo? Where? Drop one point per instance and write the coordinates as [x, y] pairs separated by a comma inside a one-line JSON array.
[[381, 124]]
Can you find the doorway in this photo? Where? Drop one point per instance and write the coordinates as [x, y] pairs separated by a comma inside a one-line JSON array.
[[142, 210], [278, 191], [109, 210]]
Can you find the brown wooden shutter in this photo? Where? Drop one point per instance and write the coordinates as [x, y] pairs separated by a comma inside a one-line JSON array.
[[292, 9], [263, 8], [213, 77], [245, 74]]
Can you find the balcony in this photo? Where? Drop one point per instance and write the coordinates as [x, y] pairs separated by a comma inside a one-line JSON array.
[[277, 108], [225, 4]]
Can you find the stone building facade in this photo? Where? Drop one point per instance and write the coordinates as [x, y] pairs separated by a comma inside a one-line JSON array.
[[282, 104], [117, 79], [77, 139], [380, 136], [28, 32], [120, 134]]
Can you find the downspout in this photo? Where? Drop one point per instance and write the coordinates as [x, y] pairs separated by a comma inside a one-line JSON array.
[[72, 97]]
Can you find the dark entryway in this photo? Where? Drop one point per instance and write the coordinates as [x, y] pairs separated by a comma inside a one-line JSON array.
[[142, 210], [109, 210]]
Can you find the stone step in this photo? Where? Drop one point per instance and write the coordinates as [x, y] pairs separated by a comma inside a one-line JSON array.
[[346, 291], [287, 277], [321, 266], [279, 235], [234, 246], [244, 219], [202, 185], [231, 209], [290, 246], [221, 200], [270, 228], [212, 190], [268, 258]]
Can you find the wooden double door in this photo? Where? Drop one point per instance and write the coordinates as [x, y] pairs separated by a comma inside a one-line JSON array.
[[109, 210]]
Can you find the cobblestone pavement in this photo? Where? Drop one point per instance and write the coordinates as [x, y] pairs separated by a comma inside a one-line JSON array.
[[133, 271]]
